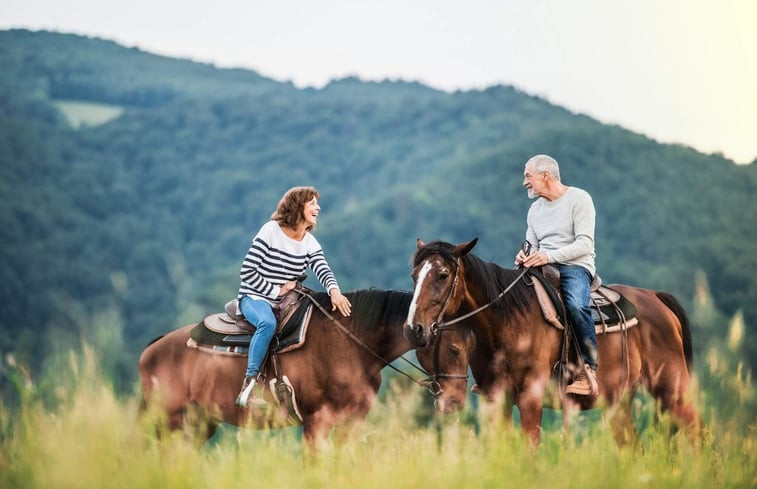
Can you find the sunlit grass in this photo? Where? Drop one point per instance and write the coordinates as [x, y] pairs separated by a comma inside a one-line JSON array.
[[79, 434]]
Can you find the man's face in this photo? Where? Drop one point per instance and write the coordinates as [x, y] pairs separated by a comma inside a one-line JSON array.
[[534, 182]]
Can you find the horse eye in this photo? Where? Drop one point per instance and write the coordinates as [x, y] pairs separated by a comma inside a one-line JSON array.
[[454, 351], [443, 274]]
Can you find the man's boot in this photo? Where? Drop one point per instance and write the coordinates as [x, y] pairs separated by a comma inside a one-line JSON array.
[[584, 384]]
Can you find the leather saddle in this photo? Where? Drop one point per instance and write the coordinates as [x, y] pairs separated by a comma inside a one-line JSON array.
[[230, 332], [610, 310]]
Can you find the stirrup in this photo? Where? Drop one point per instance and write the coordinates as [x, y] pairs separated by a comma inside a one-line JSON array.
[[244, 396]]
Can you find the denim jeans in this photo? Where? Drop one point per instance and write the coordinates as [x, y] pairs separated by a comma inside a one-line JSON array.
[[260, 314], [575, 282]]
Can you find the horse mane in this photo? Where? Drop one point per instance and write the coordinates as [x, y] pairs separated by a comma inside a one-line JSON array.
[[490, 278], [373, 307]]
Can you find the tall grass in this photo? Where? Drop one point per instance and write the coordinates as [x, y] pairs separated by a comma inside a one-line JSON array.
[[79, 434]]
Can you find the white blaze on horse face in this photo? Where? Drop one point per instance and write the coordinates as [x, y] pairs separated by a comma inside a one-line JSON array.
[[418, 286]]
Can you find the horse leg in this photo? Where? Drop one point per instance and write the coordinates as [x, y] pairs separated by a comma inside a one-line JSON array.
[[197, 423], [570, 409], [316, 427], [507, 406], [162, 405], [345, 429], [529, 403], [618, 382], [669, 387], [621, 421]]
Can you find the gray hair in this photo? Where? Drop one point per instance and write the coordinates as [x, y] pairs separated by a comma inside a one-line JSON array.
[[546, 163]]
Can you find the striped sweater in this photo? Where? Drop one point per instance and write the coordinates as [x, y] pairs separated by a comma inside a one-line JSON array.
[[274, 258]]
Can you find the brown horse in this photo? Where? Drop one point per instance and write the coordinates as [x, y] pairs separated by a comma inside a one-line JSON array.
[[515, 348], [335, 375]]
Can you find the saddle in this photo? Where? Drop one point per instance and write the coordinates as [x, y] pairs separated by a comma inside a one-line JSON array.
[[229, 332], [610, 310]]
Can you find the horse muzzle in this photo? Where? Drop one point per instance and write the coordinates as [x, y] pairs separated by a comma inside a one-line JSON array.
[[417, 334], [448, 405]]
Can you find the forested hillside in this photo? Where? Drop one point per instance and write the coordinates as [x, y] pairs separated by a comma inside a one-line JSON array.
[[119, 232]]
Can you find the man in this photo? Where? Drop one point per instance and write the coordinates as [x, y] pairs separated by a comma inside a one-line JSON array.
[[561, 230]]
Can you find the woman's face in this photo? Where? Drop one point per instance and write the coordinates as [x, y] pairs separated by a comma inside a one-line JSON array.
[[311, 211]]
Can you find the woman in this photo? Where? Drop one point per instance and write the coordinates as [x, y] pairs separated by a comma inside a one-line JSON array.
[[279, 253]]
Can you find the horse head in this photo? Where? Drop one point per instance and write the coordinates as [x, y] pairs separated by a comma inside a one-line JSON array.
[[446, 360], [438, 289], [443, 351]]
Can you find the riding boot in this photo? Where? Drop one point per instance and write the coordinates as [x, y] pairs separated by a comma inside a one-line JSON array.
[[584, 384], [243, 399]]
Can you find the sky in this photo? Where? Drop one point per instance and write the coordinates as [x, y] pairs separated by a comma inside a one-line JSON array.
[[678, 71]]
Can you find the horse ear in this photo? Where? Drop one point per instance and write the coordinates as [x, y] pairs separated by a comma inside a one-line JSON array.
[[464, 248], [421, 244]]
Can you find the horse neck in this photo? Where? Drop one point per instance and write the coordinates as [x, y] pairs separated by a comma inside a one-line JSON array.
[[389, 341], [494, 316], [383, 334]]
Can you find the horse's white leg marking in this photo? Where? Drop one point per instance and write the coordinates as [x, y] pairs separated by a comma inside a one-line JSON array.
[[418, 285]]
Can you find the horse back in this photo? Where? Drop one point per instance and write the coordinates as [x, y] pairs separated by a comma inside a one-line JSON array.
[[662, 320]]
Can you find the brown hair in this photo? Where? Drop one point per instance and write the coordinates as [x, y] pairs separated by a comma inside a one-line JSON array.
[[291, 206]]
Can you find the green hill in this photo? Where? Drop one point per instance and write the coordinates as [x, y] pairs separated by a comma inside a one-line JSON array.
[[122, 228]]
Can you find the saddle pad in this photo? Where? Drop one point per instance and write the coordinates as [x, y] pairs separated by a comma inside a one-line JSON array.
[[291, 335], [605, 305], [603, 309]]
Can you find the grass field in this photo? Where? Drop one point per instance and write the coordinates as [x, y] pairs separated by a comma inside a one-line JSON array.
[[77, 433]]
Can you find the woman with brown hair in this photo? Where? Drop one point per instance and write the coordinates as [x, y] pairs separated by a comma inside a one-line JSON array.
[[281, 251]]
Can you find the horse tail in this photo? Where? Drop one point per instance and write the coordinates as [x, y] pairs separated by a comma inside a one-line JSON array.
[[672, 303]]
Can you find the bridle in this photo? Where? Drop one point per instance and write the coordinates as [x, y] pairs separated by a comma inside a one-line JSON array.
[[439, 326]]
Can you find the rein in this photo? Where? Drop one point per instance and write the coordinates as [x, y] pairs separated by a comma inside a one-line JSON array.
[[442, 325], [429, 382]]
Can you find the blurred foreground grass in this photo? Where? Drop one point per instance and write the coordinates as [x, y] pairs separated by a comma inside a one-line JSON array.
[[83, 436]]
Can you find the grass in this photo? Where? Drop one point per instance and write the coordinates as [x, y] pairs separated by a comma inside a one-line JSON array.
[[81, 435]]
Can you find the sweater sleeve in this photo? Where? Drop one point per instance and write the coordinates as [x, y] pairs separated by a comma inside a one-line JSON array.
[[318, 264]]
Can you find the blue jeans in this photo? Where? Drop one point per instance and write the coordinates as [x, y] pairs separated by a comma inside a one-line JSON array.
[[260, 314], [575, 282]]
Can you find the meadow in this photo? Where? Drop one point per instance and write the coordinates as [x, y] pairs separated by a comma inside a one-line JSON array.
[[71, 429], [79, 434]]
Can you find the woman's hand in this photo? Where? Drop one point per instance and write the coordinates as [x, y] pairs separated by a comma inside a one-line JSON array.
[[338, 301], [286, 287]]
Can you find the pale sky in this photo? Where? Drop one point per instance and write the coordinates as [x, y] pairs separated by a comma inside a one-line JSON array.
[[682, 71]]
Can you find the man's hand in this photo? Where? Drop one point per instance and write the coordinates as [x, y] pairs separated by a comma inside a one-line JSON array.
[[338, 301], [537, 259]]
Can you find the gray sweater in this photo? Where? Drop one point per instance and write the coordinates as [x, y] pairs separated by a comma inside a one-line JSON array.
[[564, 228]]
